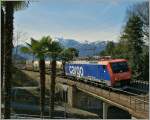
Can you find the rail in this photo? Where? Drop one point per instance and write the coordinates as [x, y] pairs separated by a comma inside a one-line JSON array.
[[134, 81]]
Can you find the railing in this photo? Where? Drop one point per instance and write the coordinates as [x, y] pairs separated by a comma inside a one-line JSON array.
[[127, 99], [138, 81], [102, 85], [17, 116], [132, 98]]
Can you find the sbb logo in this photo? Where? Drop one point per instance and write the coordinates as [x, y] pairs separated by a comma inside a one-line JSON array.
[[76, 70]]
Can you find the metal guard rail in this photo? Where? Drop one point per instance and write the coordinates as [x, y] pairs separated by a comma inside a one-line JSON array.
[[119, 90], [134, 100]]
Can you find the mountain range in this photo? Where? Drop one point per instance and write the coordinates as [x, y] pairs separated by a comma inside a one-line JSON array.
[[85, 48]]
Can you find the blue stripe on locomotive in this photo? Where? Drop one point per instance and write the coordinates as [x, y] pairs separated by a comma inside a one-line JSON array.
[[89, 70]]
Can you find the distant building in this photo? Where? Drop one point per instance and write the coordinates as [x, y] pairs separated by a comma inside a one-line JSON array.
[[35, 64]]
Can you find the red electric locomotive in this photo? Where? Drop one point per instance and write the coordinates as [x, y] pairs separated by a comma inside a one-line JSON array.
[[119, 71]]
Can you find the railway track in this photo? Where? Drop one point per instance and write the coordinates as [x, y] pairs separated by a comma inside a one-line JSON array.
[[135, 87], [139, 94]]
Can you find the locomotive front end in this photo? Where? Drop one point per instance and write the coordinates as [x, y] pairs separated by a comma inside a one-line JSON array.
[[120, 72]]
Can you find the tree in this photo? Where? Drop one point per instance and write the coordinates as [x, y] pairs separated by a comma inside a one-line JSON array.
[[102, 53], [32, 52], [9, 7], [67, 55], [37, 48], [146, 63], [53, 49], [121, 49], [133, 34], [18, 37], [109, 51], [141, 10], [110, 47], [2, 45]]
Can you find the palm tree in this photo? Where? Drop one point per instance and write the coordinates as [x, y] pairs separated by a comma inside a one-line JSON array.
[[10, 7], [67, 55], [37, 48], [2, 44], [53, 51]]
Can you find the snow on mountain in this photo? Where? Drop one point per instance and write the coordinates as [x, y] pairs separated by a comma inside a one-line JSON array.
[[85, 48]]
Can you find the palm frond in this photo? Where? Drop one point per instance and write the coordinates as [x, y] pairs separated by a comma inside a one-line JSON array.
[[55, 46], [44, 47], [17, 5], [28, 44], [33, 41], [25, 50], [20, 5]]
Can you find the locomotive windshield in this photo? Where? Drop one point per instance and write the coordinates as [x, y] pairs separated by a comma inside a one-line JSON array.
[[119, 67]]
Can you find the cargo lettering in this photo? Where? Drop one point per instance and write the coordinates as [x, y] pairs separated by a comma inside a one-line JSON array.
[[76, 70]]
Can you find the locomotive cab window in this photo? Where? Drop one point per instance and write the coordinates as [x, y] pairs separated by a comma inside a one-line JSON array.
[[104, 68], [119, 67]]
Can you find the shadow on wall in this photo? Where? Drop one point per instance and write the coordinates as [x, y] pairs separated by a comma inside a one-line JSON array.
[[88, 103], [117, 113], [94, 105]]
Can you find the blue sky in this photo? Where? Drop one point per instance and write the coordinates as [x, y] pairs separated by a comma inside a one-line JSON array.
[[92, 20]]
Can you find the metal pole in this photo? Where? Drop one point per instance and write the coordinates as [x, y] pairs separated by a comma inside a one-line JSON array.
[[144, 103], [65, 104], [130, 100], [135, 104], [109, 92], [63, 101]]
